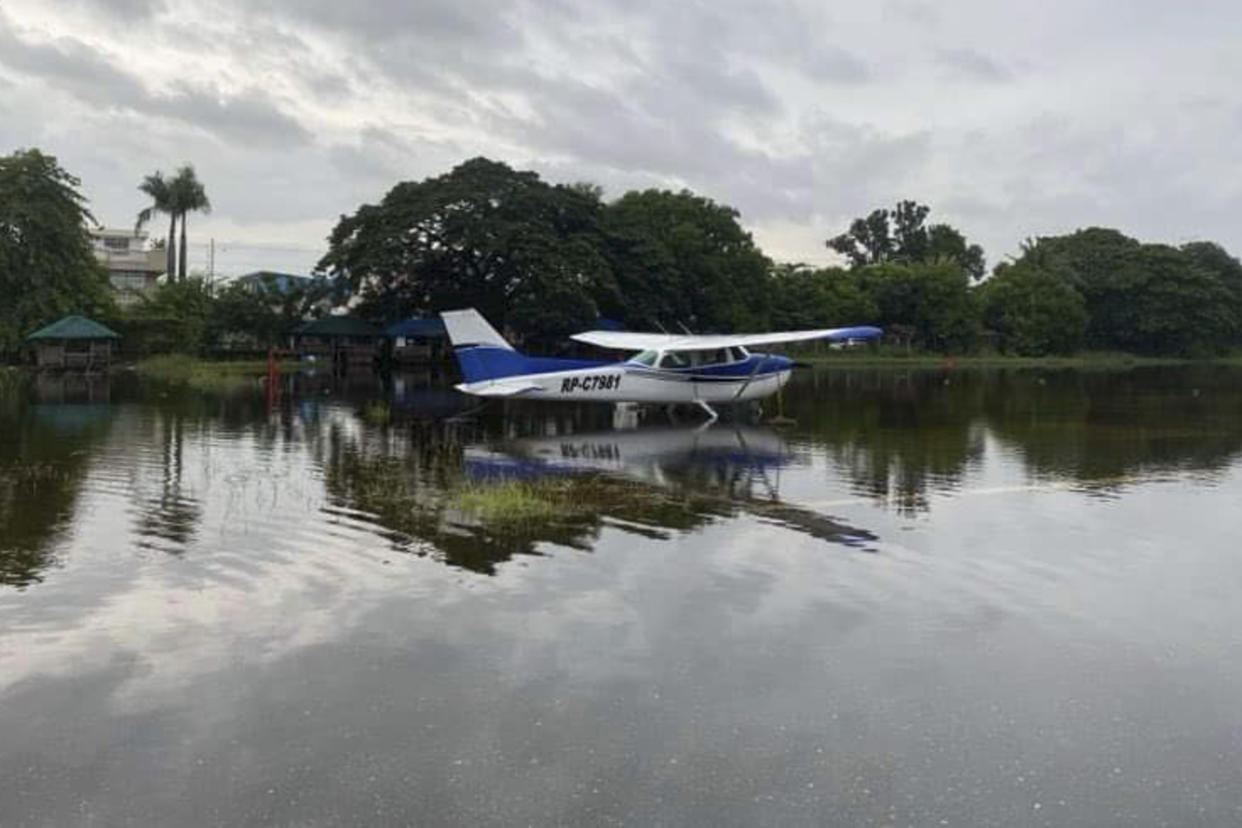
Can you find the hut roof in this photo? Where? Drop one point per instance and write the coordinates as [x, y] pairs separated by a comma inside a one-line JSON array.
[[414, 326], [338, 326], [74, 327]]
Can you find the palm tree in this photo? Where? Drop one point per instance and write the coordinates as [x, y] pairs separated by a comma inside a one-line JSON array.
[[160, 190], [188, 196]]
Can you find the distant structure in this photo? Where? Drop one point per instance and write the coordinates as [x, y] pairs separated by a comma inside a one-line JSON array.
[[418, 340], [73, 343], [270, 282], [343, 340], [276, 286], [134, 268]]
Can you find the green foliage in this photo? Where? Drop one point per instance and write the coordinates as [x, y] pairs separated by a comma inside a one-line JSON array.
[[807, 298], [931, 303], [680, 259], [175, 197], [188, 196], [47, 269], [902, 236], [174, 320], [266, 313], [1147, 298], [158, 189], [1033, 312], [525, 253]]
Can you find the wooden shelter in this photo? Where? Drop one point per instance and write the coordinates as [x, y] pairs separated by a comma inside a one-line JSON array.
[[74, 343], [342, 340]]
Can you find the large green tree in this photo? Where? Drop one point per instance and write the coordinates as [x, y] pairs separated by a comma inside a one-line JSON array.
[[902, 236], [47, 268], [1033, 312], [1146, 298], [527, 254], [933, 301], [804, 297], [682, 260]]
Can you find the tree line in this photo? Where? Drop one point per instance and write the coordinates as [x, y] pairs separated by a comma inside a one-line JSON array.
[[544, 260]]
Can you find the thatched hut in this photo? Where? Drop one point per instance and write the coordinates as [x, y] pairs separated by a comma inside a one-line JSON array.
[[74, 343]]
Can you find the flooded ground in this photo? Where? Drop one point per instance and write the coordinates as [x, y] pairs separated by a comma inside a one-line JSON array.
[[966, 598]]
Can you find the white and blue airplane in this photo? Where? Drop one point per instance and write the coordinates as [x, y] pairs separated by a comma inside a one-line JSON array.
[[667, 369]]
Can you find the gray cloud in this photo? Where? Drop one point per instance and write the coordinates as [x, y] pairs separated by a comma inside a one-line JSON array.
[[1009, 121], [93, 77], [973, 65], [71, 65]]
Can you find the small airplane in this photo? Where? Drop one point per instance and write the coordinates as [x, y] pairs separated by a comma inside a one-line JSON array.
[[667, 369]]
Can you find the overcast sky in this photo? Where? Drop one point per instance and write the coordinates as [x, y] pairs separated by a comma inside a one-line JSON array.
[[1009, 119]]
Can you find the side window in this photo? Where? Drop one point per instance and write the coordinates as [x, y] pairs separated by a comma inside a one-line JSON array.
[[645, 358], [738, 354], [675, 359]]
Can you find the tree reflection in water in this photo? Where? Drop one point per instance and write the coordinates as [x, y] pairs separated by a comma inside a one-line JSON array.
[[894, 437]]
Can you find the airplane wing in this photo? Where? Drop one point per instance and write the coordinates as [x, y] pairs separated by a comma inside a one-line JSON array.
[[499, 388], [629, 341]]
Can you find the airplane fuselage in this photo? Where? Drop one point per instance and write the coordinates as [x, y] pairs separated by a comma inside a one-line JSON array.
[[756, 377]]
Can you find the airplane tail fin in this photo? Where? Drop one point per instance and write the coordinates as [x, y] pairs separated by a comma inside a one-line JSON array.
[[482, 353], [468, 327]]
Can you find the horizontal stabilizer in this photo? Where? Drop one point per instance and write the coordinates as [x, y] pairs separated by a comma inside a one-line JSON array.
[[498, 388]]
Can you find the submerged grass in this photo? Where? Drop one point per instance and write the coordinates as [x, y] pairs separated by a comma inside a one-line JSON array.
[[517, 503], [183, 369]]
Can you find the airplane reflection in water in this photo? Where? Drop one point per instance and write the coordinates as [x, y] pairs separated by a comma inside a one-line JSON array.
[[738, 467]]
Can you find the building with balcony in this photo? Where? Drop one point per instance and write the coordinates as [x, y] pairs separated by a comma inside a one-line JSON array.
[[134, 266]]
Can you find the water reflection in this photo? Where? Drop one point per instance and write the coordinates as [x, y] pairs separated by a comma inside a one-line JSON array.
[[168, 458], [244, 608], [48, 429]]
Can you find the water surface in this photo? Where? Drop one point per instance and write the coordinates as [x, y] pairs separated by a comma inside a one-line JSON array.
[[942, 597]]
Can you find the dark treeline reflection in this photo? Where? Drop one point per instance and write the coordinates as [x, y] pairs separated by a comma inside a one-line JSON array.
[[401, 456], [895, 434], [900, 434], [48, 427]]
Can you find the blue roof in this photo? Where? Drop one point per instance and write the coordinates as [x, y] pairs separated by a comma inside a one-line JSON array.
[[415, 326], [279, 282]]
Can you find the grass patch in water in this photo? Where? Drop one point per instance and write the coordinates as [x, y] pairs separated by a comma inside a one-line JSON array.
[[183, 369], [512, 502], [377, 413], [552, 499]]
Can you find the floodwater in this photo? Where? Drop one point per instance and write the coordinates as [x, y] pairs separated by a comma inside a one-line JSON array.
[[941, 597]]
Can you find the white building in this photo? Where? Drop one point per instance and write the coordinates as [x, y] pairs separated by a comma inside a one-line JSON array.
[[134, 267]]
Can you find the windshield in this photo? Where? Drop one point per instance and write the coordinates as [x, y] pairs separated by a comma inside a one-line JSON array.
[[645, 358]]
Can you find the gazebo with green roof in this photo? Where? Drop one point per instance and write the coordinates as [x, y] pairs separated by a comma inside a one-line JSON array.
[[74, 343], [345, 340]]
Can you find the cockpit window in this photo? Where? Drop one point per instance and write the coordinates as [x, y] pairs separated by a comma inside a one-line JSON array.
[[738, 353], [645, 358], [675, 359]]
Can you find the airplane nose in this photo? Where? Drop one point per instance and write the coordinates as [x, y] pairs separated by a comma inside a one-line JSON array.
[[777, 362]]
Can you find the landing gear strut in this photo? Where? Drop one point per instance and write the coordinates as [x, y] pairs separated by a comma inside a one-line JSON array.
[[712, 416]]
